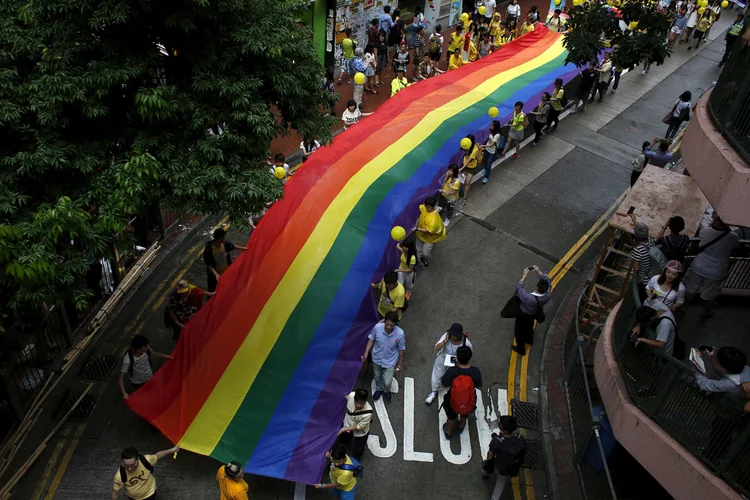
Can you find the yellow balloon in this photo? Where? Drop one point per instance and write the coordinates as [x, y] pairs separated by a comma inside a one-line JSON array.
[[632, 26], [701, 10], [359, 78], [482, 9], [398, 233], [703, 3], [465, 143], [724, 4], [493, 112], [464, 17], [279, 172], [557, 2]]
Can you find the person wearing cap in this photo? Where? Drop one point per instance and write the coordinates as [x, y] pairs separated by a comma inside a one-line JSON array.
[[387, 344], [446, 348], [231, 483], [217, 257], [667, 287], [184, 303], [400, 82]]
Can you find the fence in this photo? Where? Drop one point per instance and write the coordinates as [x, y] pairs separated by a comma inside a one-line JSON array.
[[729, 102], [738, 279], [711, 426]]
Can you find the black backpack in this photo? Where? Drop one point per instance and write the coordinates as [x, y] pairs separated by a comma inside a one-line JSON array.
[[146, 464], [676, 251], [132, 363], [540, 316], [509, 459]]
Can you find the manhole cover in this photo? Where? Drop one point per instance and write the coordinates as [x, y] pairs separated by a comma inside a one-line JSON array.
[[99, 367], [533, 457], [525, 414], [81, 412]]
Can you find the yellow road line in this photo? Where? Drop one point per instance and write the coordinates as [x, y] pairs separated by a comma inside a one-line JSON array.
[[577, 256], [39, 490], [530, 494], [65, 461], [602, 220]]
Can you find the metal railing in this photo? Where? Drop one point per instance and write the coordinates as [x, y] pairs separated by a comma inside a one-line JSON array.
[[729, 102], [711, 426]]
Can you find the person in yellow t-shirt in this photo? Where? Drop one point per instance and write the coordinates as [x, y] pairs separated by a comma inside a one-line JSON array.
[[450, 193], [528, 26], [495, 25], [135, 474], [231, 484], [392, 294], [469, 164], [407, 263], [342, 475], [430, 230], [517, 125], [455, 60], [400, 82], [457, 39]]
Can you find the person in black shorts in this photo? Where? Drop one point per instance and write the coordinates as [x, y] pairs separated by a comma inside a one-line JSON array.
[[588, 77]]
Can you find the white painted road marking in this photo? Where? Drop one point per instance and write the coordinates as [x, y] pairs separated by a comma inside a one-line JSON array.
[[409, 454], [299, 491], [373, 441], [445, 446]]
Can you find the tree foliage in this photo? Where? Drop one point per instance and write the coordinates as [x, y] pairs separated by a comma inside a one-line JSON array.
[[104, 111], [593, 24]]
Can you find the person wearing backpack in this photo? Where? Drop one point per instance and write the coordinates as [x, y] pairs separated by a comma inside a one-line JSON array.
[[461, 399], [647, 259], [137, 363], [658, 318], [505, 456], [435, 44], [531, 308], [345, 472], [673, 245], [710, 267], [136, 474]]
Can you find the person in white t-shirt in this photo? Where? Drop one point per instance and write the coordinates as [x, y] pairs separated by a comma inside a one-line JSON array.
[[352, 114], [490, 149], [446, 347], [514, 11], [490, 6], [667, 287], [137, 363], [308, 148]]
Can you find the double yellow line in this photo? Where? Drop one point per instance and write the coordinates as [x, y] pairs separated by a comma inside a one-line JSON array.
[[556, 274]]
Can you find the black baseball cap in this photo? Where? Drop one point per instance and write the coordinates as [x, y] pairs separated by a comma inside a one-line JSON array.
[[456, 330]]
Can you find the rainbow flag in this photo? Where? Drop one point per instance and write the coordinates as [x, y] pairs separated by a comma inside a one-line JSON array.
[[260, 374]]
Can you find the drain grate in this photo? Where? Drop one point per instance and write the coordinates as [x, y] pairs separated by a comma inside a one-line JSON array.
[[99, 367], [82, 411], [533, 457], [525, 414]]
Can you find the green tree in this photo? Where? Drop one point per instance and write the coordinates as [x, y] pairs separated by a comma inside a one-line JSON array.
[[592, 25], [105, 108]]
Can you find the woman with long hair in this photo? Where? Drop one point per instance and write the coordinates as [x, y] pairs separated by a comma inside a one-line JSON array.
[[667, 287], [448, 195], [469, 163], [680, 113], [490, 149], [517, 125], [408, 263]]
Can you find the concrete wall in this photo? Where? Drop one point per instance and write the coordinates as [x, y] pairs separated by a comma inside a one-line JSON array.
[[676, 469], [721, 173]]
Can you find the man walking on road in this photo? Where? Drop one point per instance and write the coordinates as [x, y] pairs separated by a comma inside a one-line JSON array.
[[137, 364], [505, 455], [392, 295], [231, 484], [461, 399], [136, 474], [531, 305], [217, 257], [387, 344]]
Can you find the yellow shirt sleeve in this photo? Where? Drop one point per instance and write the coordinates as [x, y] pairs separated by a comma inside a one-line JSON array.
[[118, 483], [400, 296]]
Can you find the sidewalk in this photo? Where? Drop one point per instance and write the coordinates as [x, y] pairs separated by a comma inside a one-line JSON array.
[[613, 130]]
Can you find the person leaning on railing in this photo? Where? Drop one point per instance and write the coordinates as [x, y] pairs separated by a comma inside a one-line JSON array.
[[731, 365]]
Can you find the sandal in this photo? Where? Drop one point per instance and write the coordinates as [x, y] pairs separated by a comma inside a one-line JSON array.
[[445, 431]]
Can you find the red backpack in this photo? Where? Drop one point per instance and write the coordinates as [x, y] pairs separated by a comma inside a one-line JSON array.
[[463, 395]]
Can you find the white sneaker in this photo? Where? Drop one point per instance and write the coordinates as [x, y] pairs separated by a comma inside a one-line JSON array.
[[644, 72], [447, 221], [430, 398]]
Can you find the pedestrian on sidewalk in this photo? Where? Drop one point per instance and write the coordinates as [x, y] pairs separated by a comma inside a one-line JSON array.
[[541, 112], [357, 421], [370, 66], [516, 132], [386, 22], [639, 163], [678, 26], [392, 295], [348, 44], [344, 473], [588, 78], [461, 399], [655, 327], [710, 267], [691, 22], [494, 140], [137, 364], [435, 44], [531, 305], [554, 23], [449, 194], [184, 303], [427, 68], [387, 343], [446, 347], [674, 245], [279, 161], [604, 71], [430, 230], [232, 486], [556, 100], [381, 52], [643, 263], [373, 31], [358, 66], [136, 474], [402, 58], [731, 37], [661, 156], [505, 456], [217, 256], [455, 60], [469, 163], [457, 39], [400, 82], [407, 263], [307, 148], [618, 73], [667, 287], [419, 50], [352, 114], [701, 28], [680, 113]]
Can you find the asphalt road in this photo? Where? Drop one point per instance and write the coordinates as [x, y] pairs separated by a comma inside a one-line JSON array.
[[532, 212]]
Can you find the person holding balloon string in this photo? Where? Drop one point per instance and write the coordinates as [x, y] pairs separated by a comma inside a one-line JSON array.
[[407, 249], [490, 147], [703, 25], [470, 161], [449, 194]]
